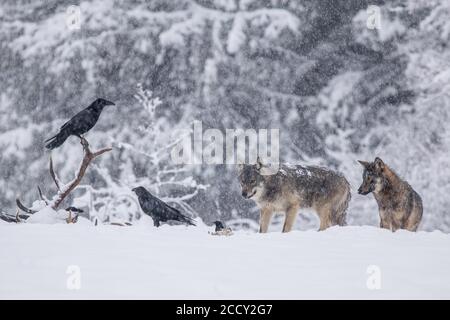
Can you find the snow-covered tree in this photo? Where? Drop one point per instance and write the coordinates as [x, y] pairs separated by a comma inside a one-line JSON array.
[[143, 161]]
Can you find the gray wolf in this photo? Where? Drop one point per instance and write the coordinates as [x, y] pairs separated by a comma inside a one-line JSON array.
[[292, 188], [400, 207], [158, 210]]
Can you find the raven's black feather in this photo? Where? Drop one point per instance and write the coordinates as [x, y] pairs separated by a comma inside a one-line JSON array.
[[79, 124], [158, 209], [219, 226]]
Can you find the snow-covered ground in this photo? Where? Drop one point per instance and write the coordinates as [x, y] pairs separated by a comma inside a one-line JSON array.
[[39, 261]]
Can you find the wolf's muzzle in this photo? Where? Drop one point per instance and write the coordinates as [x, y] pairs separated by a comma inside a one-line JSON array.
[[246, 196], [360, 191]]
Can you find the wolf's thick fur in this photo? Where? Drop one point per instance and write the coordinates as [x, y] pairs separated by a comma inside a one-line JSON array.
[[293, 188], [400, 207]]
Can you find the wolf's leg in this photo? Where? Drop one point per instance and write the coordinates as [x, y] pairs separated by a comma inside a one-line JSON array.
[[385, 224], [291, 215], [398, 219], [397, 223], [323, 223], [395, 226], [412, 223], [412, 226], [340, 206], [325, 215], [264, 219]]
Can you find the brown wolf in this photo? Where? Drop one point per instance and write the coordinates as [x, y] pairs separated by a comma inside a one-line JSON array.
[[294, 187], [400, 207]]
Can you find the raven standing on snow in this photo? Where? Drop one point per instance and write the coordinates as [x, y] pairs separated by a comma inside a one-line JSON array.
[[81, 123], [159, 210], [219, 226], [221, 229]]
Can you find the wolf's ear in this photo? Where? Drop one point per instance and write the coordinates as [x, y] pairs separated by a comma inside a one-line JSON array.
[[365, 164], [259, 164], [379, 164], [240, 167]]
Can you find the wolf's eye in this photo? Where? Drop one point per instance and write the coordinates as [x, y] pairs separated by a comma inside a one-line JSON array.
[[253, 181]]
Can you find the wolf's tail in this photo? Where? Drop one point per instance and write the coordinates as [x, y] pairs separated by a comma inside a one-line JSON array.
[[57, 140]]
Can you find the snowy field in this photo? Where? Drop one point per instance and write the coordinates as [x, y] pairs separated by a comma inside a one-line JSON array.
[[142, 262]]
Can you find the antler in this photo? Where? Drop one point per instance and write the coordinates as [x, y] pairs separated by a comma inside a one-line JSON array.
[[54, 177], [64, 191], [17, 216], [23, 208], [41, 195], [8, 217]]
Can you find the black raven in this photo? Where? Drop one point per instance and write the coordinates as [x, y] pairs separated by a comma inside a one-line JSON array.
[[221, 229], [81, 123], [219, 226], [73, 209], [159, 210]]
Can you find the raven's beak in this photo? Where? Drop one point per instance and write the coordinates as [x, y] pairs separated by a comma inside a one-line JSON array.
[[107, 103], [134, 189]]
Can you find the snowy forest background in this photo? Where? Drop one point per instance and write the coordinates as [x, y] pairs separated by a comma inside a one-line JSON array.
[[337, 90]]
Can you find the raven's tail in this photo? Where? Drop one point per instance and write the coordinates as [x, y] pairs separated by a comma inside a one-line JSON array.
[[188, 221], [57, 140]]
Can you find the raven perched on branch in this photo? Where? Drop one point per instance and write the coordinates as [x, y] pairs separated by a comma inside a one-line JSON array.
[[159, 210], [81, 123]]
